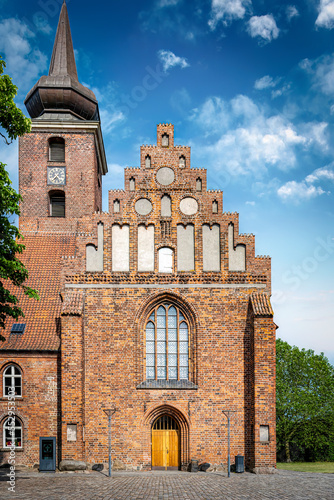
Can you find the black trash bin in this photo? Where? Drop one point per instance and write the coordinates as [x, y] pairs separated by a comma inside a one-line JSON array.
[[194, 465], [239, 463]]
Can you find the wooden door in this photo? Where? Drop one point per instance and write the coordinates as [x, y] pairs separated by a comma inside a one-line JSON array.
[[165, 443]]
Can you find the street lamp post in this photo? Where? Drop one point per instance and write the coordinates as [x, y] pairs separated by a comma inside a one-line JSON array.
[[227, 415], [109, 412]]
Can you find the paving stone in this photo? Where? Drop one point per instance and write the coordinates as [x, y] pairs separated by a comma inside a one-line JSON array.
[[159, 485]]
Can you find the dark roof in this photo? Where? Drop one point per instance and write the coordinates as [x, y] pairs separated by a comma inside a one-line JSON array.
[[60, 90], [261, 304], [63, 60], [43, 259]]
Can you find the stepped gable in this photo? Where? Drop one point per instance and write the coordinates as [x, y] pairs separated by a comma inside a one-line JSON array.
[[60, 95], [43, 259]]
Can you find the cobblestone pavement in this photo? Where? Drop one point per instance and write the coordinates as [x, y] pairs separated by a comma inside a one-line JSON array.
[[168, 485]]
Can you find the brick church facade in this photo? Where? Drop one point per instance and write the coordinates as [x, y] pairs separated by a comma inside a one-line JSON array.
[[158, 308]]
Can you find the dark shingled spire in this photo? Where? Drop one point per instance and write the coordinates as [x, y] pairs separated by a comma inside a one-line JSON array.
[[62, 60], [60, 95]]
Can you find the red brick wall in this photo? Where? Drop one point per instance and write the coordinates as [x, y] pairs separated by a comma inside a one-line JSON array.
[[38, 409], [82, 193], [232, 353]]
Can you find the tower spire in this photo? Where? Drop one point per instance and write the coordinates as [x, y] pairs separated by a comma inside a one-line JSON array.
[[59, 95], [63, 60]]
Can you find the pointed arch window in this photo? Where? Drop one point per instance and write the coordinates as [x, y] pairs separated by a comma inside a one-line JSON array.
[[182, 161], [12, 433], [117, 206], [12, 381], [132, 184], [167, 344], [147, 161], [165, 140], [56, 149]]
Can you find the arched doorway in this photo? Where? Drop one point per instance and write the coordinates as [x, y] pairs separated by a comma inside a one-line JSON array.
[[166, 443]]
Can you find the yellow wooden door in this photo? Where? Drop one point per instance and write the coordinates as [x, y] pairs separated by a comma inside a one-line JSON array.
[[165, 448], [173, 448]]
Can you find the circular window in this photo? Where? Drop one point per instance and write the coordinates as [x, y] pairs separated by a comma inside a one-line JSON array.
[[188, 206], [143, 206], [165, 176]]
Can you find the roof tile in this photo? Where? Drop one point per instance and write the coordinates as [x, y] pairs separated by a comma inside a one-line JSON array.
[[43, 259], [261, 304]]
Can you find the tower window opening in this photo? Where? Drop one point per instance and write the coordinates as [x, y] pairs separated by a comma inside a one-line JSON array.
[[116, 206], [165, 140], [57, 149], [148, 161], [57, 204], [198, 184], [182, 162], [132, 184]]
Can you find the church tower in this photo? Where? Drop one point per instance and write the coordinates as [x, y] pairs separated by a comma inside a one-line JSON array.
[[62, 160]]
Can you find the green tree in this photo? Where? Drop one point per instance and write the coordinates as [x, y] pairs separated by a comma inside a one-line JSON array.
[[304, 400], [13, 124]]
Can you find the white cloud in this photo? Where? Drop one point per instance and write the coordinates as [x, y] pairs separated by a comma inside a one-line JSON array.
[[244, 138], [291, 12], [251, 203], [167, 3], [109, 119], [278, 92], [24, 63], [298, 191], [321, 71], [306, 189], [325, 18], [170, 60], [264, 27], [326, 173], [324, 74], [265, 82], [226, 11]]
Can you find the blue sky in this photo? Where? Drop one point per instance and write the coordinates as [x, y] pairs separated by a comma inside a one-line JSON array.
[[249, 85]]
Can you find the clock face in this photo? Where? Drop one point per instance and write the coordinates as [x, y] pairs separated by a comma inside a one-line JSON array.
[[56, 176]]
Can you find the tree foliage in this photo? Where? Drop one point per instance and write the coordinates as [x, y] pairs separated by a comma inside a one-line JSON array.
[[304, 403], [14, 124], [12, 120]]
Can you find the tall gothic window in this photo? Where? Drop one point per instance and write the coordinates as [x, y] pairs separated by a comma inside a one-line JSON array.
[[167, 344]]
